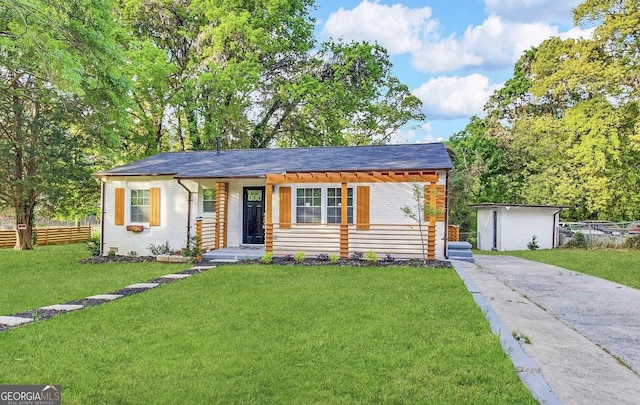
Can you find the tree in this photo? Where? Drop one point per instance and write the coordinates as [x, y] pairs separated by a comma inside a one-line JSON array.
[[251, 74], [420, 213], [59, 80]]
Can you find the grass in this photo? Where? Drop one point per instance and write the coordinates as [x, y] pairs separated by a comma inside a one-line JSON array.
[[620, 266], [51, 275], [270, 335]]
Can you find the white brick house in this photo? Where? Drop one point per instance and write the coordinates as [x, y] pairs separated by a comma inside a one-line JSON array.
[[288, 200]]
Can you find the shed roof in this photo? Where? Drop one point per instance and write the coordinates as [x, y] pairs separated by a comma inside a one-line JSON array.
[[259, 162], [504, 205]]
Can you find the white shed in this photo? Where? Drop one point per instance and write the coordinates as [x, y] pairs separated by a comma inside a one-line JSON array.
[[505, 227]]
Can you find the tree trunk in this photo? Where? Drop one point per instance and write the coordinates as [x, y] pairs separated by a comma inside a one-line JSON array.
[[24, 215]]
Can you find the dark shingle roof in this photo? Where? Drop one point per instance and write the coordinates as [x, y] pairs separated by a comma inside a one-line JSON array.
[[258, 162]]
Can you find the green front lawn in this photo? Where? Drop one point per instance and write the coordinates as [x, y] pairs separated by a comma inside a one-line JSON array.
[[620, 266], [274, 335], [51, 275]]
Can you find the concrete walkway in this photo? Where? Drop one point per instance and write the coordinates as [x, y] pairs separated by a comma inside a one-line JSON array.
[[584, 332]]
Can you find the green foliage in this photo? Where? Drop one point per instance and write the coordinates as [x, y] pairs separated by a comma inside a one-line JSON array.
[[334, 258], [93, 245], [632, 242], [192, 250], [533, 244], [162, 249], [579, 241], [61, 93], [371, 257], [267, 258], [253, 74], [564, 128], [299, 257]]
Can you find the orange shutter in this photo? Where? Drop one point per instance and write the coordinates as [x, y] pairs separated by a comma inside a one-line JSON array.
[[362, 210], [154, 207], [119, 209], [285, 207]]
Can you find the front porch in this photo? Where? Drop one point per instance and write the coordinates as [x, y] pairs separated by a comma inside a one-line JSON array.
[[244, 252]]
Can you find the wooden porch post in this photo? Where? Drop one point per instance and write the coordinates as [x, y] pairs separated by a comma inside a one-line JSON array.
[[199, 233], [344, 223]]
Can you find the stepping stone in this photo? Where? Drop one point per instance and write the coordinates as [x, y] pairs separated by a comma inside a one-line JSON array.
[[176, 276], [105, 297], [224, 261], [14, 320], [63, 307], [202, 267], [143, 286]]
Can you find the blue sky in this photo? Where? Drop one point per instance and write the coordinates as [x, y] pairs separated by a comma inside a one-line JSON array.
[[451, 53]]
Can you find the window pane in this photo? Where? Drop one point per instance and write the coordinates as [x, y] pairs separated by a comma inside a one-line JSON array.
[[139, 206], [209, 194], [334, 205], [309, 205], [209, 200], [209, 206]]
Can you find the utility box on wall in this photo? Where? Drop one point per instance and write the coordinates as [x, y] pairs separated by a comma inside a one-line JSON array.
[[505, 227]]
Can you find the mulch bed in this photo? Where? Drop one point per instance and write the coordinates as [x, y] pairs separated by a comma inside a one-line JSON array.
[[117, 259], [287, 260]]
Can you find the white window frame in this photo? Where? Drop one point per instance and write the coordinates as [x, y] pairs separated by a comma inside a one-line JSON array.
[[324, 203], [204, 201], [306, 205], [144, 217]]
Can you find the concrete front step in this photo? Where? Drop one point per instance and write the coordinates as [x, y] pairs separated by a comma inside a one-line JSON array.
[[460, 251]]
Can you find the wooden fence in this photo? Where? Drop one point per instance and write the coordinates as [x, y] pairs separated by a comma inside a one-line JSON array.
[[453, 233], [50, 236]]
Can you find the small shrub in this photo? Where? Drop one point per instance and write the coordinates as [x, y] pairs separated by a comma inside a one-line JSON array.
[[578, 241], [371, 257], [163, 249], [267, 258], [632, 242], [93, 245], [323, 257], [112, 253], [192, 250], [133, 253], [356, 256], [299, 257], [533, 245], [334, 258], [389, 258]]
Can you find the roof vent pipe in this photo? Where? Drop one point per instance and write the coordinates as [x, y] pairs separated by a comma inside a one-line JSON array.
[[217, 145]]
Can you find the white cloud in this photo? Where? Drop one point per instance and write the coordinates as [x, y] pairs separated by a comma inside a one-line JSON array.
[[493, 45], [423, 134], [398, 28], [512, 27], [577, 33], [549, 11], [455, 97]]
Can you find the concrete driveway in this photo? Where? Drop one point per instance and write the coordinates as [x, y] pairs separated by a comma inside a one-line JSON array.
[[584, 332]]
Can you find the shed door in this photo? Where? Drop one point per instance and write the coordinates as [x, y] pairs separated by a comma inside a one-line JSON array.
[[253, 215], [495, 231]]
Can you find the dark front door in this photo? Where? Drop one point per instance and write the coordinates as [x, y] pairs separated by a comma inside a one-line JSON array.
[[253, 217]]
